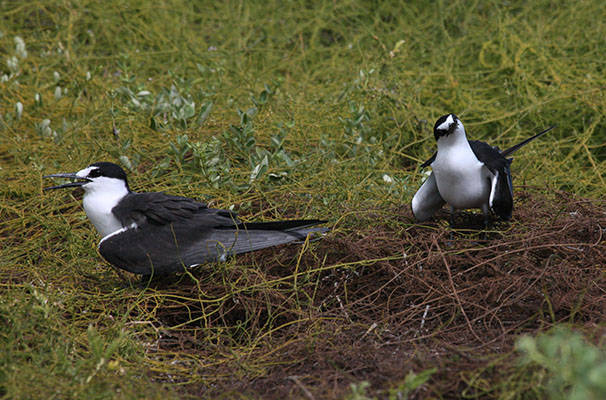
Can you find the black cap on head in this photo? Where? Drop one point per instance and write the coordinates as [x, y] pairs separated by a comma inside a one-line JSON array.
[[107, 169]]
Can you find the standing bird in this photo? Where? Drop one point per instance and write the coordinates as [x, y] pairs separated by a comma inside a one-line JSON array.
[[155, 233], [466, 174]]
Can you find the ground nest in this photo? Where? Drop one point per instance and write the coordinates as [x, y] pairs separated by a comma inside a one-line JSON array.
[[388, 297]]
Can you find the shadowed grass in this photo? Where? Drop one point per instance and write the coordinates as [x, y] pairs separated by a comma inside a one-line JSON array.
[[352, 91]]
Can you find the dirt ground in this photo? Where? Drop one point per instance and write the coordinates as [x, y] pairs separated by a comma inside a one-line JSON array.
[[404, 297]]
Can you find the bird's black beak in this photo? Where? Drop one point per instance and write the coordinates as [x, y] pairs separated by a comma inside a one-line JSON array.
[[72, 175], [453, 126]]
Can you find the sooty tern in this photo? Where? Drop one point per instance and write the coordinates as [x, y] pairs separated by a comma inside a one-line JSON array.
[[156, 233], [466, 174]]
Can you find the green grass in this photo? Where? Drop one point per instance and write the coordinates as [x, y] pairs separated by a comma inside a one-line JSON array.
[[295, 109]]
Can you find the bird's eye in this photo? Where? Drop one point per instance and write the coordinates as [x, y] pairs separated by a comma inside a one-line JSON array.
[[94, 173]]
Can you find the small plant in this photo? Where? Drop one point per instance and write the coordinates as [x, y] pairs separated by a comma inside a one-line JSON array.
[[363, 138], [576, 368], [236, 147], [358, 391], [101, 350], [172, 107], [43, 129], [357, 131], [13, 62], [206, 158], [411, 382], [241, 138], [129, 162]]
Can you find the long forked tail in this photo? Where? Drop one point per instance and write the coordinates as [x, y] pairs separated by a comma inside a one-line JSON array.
[[280, 225], [515, 148], [298, 228], [259, 235]]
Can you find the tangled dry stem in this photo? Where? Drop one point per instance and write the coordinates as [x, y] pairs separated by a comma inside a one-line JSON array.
[[374, 304]]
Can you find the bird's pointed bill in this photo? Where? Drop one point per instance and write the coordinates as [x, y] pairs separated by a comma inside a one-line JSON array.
[[73, 175]]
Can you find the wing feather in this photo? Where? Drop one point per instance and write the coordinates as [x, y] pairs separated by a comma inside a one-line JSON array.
[[490, 156], [501, 194], [171, 233], [162, 209], [183, 244], [427, 200], [430, 161]]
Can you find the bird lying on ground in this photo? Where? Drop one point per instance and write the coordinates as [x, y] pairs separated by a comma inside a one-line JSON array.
[[466, 174], [156, 233]]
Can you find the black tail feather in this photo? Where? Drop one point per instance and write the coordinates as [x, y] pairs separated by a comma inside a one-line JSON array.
[[515, 148], [276, 225]]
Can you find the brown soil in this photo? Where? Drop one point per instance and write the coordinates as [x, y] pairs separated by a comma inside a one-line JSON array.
[[387, 298]]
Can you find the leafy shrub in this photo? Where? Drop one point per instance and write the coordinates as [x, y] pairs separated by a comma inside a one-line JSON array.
[[577, 369]]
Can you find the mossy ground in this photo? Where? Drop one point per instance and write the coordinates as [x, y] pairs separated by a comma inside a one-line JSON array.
[[293, 110]]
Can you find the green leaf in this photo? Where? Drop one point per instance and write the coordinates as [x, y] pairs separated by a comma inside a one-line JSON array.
[[259, 169], [251, 112], [263, 97], [204, 113]]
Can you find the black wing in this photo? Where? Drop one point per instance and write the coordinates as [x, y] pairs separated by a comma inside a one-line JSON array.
[[501, 193], [431, 160], [180, 245], [484, 150], [490, 156], [173, 233], [162, 209]]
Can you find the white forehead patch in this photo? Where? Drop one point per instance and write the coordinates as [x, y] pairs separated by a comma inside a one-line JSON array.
[[83, 173], [446, 124]]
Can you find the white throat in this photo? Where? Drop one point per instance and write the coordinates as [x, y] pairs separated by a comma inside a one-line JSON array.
[[456, 141], [100, 197]]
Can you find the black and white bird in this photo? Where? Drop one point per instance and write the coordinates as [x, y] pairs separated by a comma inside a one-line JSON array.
[[466, 174], [156, 233]]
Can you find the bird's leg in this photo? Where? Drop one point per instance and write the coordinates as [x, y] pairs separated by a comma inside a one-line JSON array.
[[452, 217], [486, 213], [452, 221]]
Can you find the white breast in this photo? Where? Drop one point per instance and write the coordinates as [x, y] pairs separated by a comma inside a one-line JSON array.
[[462, 180]]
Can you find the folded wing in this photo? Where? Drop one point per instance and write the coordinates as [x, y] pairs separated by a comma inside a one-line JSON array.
[[501, 188], [172, 233], [427, 200]]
